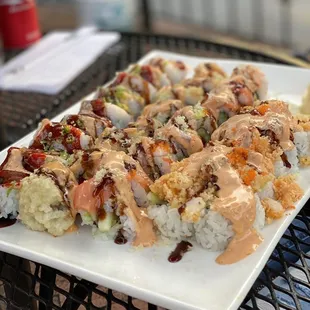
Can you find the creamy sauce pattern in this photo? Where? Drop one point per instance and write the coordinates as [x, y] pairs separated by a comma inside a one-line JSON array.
[[235, 201], [115, 163], [63, 179], [240, 127], [189, 140]]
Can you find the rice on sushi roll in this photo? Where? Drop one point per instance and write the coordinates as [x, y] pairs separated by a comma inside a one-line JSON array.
[[198, 200], [18, 164], [269, 134], [302, 139], [227, 99], [146, 125], [137, 84], [91, 125], [189, 94], [122, 97], [196, 118], [98, 107], [175, 70], [118, 139], [205, 208], [204, 83], [115, 198], [45, 199], [151, 74], [231, 95], [52, 136], [256, 79], [161, 111], [183, 140], [210, 70]]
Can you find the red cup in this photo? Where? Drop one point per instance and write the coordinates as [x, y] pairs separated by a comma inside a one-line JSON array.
[[19, 25]]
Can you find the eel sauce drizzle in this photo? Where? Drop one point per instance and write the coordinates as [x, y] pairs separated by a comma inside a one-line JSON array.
[[181, 248], [7, 222]]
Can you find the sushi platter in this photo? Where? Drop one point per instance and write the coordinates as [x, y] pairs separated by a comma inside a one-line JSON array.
[[172, 183]]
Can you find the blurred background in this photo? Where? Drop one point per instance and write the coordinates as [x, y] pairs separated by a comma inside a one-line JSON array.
[[283, 24], [278, 24]]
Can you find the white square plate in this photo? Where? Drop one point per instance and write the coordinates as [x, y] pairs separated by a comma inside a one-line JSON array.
[[196, 282]]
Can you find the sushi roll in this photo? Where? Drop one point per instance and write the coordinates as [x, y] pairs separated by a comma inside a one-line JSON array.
[[198, 119], [135, 83], [262, 107], [118, 139], [12, 172], [206, 84], [269, 134], [90, 125], [175, 70], [210, 70], [301, 134], [231, 95], [141, 151], [199, 205], [115, 197], [52, 136], [9, 192], [124, 98], [228, 98], [189, 95], [197, 200], [98, 107], [161, 111], [183, 140], [256, 80], [46, 197], [147, 126], [165, 93], [18, 164], [151, 74], [221, 105]]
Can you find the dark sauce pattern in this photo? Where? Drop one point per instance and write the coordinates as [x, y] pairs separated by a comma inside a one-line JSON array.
[[286, 163], [105, 182], [120, 238], [9, 176], [7, 222], [54, 178], [181, 248], [181, 209]]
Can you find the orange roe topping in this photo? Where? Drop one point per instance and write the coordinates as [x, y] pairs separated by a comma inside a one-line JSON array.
[[262, 109], [248, 176], [238, 156]]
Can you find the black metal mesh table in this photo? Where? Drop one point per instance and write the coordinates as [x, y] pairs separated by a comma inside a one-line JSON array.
[[29, 285]]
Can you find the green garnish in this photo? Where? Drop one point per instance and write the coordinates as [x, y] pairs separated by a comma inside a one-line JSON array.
[[223, 117], [204, 135], [106, 224], [199, 113], [80, 124], [86, 218], [64, 155], [9, 191], [136, 69], [256, 96], [66, 129], [120, 93], [153, 199]]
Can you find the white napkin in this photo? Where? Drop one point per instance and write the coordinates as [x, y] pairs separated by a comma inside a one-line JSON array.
[[55, 61]]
